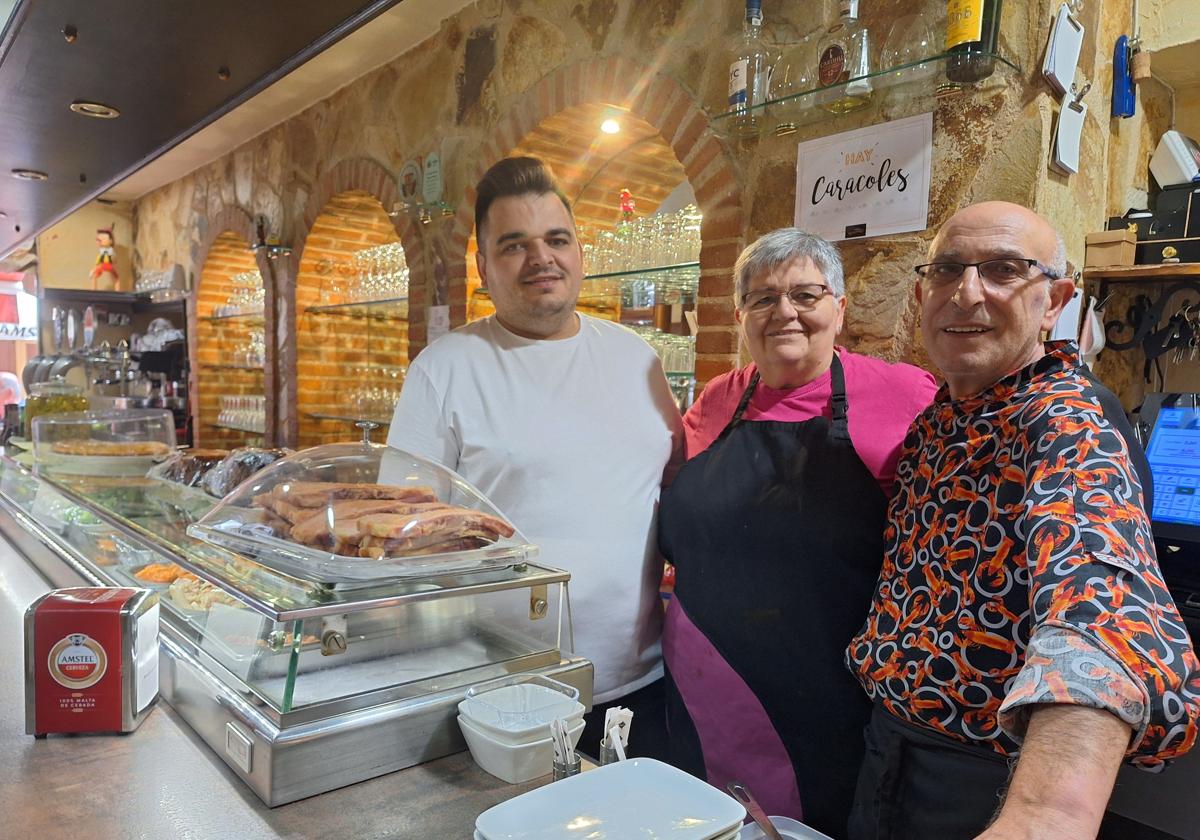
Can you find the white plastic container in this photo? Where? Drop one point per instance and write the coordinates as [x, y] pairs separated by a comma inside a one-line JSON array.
[[520, 704], [514, 763], [1176, 160], [535, 732]]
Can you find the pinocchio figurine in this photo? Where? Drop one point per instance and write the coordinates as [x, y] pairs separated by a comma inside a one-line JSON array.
[[104, 272]]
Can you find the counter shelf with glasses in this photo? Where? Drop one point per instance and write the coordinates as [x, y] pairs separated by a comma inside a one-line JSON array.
[[231, 376], [306, 674], [359, 323]]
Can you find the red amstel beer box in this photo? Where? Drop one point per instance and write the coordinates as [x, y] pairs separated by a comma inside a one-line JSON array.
[[91, 660]]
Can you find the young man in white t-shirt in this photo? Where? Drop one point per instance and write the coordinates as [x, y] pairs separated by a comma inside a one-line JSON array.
[[567, 424]]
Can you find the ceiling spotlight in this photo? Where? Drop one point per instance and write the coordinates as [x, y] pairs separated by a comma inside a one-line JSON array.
[[95, 109], [30, 175], [610, 126]]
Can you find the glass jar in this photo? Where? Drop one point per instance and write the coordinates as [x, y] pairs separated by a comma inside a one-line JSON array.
[[54, 397]]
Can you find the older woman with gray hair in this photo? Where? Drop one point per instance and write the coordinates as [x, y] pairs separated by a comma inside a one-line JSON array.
[[775, 526]]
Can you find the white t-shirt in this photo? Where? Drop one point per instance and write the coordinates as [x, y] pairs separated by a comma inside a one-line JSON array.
[[569, 439]]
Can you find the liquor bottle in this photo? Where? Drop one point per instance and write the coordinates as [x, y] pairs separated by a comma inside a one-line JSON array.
[[972, 31], [844, 54], [750, 74]]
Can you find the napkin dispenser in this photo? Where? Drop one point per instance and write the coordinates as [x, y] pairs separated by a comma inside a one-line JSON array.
[[91, 660]]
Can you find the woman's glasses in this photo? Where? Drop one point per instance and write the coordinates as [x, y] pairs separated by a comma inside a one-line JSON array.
[[803, 298]]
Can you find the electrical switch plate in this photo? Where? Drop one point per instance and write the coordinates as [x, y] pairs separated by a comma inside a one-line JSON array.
[[239, 746]]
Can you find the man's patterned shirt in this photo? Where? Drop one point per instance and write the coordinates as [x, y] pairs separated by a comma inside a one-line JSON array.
[[1020, 569]]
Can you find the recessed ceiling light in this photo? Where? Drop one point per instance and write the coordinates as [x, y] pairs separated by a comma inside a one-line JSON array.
[[30, 175], [95, 109], [610, 126]]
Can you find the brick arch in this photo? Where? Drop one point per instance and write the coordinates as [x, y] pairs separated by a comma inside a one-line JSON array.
[[372, 177], [228, 219], [669, 107], [350, 174]]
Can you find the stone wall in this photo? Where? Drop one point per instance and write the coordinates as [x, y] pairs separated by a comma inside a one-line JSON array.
[[499, 66]]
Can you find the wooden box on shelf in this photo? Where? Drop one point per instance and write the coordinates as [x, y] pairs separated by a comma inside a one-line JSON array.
[[1110, 248]]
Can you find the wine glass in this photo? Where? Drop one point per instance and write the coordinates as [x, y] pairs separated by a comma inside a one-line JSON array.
[[910, 40]]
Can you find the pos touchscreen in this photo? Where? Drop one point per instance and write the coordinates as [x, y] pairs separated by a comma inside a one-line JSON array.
[[1174, 456]]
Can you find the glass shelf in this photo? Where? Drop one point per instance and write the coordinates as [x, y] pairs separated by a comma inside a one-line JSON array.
[[254, 319], [258, 368], [381, 309], [928, 71], [347, 419], [687, 268], [236, 429]]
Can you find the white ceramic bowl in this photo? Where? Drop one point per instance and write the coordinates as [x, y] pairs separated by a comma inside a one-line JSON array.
[[514, 763], [515, 733]]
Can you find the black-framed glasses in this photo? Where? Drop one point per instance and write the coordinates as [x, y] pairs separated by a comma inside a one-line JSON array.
[[998, 273], [803, 298]]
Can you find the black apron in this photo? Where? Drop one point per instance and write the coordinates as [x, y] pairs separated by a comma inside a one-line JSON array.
[[776, 533], [917, 784]]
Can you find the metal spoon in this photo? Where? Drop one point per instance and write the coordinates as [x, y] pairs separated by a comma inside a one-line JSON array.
[[742, 794]]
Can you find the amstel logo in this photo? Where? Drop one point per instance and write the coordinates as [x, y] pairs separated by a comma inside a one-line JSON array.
[[78, 661]]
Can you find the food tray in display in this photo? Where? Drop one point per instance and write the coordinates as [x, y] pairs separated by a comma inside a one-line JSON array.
[[190, 500], [356, 513], [111, 444], [640, 797], [95, 465]]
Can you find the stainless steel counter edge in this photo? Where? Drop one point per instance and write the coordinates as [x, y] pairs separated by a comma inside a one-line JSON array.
[[286, 765]]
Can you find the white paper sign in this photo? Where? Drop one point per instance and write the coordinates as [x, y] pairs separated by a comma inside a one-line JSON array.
[[437, 323], [867, 182]]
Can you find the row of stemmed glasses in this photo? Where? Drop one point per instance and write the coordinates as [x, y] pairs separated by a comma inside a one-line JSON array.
[[373, 394], [662, 239], [251, 353], [246, 413], [247, 297], [382, 274]]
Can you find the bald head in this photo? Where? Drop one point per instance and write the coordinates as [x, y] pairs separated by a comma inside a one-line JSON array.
[[979, 329], [1004, 219]]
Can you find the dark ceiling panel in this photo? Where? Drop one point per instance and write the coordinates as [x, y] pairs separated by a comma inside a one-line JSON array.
[[158, 62]]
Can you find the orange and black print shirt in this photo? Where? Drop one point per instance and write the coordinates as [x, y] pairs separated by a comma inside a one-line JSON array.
[[1020, 569]]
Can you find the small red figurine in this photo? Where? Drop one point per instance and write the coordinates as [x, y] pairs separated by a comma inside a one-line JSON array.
[[104, 272]]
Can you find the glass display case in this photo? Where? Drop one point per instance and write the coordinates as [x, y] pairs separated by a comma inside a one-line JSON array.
[[102, 443], [299, 681], [358, 513]]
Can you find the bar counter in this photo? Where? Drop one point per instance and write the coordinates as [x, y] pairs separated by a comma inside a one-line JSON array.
[[163, 781]]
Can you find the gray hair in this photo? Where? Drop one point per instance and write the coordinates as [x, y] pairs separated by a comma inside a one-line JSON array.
[[778, 248], [1059, 262]]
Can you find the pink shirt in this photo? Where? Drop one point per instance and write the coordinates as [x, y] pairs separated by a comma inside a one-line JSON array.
[[883, 400]]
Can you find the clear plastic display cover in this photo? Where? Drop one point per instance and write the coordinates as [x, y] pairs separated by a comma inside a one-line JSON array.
[[353, 512], [110, 444]]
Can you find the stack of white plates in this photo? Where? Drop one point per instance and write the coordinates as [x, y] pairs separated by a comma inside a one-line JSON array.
[[506, 724], [636, 798]]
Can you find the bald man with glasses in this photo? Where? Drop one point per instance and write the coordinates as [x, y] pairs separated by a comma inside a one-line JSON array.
[[1020, 619]]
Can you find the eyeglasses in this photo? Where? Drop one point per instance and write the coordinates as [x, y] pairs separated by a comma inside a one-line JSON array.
[[803, 298], [999, 273]]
